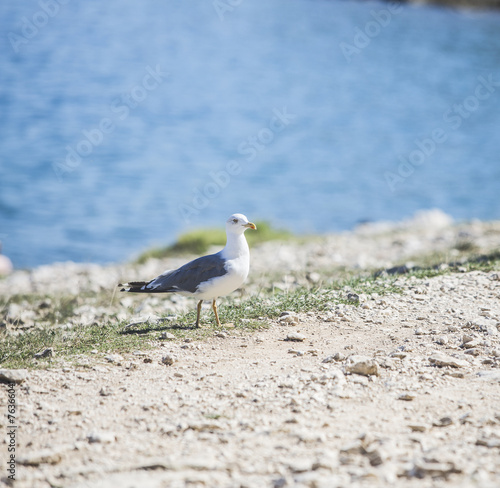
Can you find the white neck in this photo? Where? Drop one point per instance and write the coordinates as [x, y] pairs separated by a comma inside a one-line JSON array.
[[236, 246]]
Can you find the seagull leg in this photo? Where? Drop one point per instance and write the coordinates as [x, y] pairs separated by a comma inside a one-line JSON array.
[[214, 306], [198, 315]]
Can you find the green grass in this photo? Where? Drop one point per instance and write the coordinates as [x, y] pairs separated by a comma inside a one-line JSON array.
[[200, 240], [436, 264], [248, 315], [254, 313]]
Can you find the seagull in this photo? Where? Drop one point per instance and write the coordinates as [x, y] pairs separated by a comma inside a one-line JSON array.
[[208, 277]]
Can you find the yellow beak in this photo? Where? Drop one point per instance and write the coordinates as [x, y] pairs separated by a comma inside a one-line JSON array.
[[250, 225]]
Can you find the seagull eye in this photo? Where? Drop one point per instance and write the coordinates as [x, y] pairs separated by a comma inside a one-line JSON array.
[[235, 221]]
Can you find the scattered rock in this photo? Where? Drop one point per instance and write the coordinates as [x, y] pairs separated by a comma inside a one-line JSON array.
[[288, 318], [167, 336], [441, 360], [490, 375], [295, 336], [168, 360], [338, 356], [114, 358], [443, 422], [492, 441], [45, 456], [362, 365], [475, 351], [407, 396], [101, 437], [313, 277], [352, 297], [433, 469], [46, 353], [13, 375]]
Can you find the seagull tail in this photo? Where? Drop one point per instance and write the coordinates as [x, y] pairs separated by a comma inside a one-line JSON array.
[[134, 286]]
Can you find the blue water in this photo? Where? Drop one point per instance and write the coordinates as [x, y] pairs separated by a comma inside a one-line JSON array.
[[299, 112]]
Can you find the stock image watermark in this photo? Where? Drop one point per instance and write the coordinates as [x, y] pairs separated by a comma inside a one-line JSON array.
[[31, 26], [363, 37], [12, 426], [120, 109], [223, 6], [454, 117], [249, 149]]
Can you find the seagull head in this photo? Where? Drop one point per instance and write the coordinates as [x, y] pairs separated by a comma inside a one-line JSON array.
[[238, 223]]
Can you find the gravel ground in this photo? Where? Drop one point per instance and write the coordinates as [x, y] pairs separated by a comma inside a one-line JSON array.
[[401, 390]]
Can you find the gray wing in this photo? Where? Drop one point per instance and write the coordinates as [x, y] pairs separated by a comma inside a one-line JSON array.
[[188, 277]]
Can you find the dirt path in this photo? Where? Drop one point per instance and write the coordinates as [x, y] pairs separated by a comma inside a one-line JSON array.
[[259, 410]]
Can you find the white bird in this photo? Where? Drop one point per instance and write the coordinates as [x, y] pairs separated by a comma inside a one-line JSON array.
[[208, 277]]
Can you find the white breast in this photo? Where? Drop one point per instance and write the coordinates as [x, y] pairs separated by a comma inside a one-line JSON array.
[[237, 272]]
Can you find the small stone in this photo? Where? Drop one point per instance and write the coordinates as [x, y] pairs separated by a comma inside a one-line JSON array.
[[13, 375], [475, 351], [222, 335], [471, 344], [491, 442], [114, 358], [432, 469], [45, 456], [168, 360], [362, 365], [289, 318], [490, 375], [442, 340], [491, 330], [353, 297], [420, 331], [417, 427], [443, 422], [300, 465], [280, 483], [167, 336], [439, 359], [407, 396], [46, 353], [105, 391], [101, 437], [375, 456], [313, 277], [295, 336]]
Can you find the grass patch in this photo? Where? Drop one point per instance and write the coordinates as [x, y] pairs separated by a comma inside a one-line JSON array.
[[248, 315], [437, 264], [200, 240]]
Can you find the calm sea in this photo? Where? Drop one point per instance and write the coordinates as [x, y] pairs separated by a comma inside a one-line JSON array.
[[124, 123]]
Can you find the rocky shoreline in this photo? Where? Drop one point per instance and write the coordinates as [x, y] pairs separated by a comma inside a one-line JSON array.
[[479, 4], [382, 388]]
